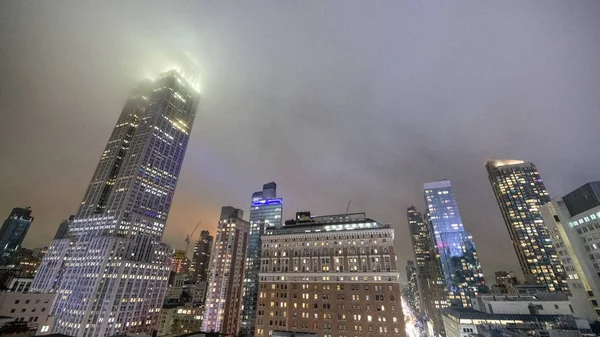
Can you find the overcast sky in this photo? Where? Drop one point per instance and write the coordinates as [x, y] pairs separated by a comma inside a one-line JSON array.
[[333, 100]]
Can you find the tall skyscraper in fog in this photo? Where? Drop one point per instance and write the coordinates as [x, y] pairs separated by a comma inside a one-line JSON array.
[[520, 192], [201, 258], [13, 232], [265, 212], [225, 274], [457, 255], [111, 272]]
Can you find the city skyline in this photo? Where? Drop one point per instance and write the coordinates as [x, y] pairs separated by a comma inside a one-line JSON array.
[[385, 127]]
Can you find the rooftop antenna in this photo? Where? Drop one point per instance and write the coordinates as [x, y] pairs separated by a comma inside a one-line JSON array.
[[348, 207]]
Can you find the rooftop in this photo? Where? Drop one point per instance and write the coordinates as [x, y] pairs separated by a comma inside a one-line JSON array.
[[504, 162], [458, 314]]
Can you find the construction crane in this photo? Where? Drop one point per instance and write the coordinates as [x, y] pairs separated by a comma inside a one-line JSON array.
[[189, 236]]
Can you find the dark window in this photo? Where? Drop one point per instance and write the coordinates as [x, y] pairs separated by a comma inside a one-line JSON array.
[[595, 303], [556, 218], [556, 306]]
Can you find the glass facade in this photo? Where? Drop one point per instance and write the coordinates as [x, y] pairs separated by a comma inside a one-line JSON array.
[[520, 192], [13, 232], [266, 211], [455, 249], [111, 272]]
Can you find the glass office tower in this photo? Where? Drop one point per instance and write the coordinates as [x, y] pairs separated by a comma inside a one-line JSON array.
[[111, 272], [13, 232], [265, 212], [520, 192], [457, 254]]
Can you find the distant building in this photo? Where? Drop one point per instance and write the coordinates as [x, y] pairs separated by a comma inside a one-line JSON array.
[[201, 259], [575, 233], [63, 229], [430, 280], [13, 232], [520, 192], [266, 211], [330, 275], [506, 278], [226, 271], [179, 320], [411, 290], [457, 254], [179, 262]]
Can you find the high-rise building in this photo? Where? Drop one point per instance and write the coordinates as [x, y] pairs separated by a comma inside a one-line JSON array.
[[265, 212], [422, 247], [412, 289], [573, 223], [430, 281], [13, 232], [179, 262], [201, 259], [520, 192], [457, 254], [111, 272], [225, 273], [63, 229], [331, 275]]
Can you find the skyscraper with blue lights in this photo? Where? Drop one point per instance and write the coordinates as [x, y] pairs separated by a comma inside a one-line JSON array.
[[111, 272], [265, 212], [454, 246]]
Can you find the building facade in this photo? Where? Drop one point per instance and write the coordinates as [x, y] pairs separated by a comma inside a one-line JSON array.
[[520, 192], [201, 258], [266, 211], [225, 274], [31, 308], [111, 273], [63, 229], [179, 320], [180, 264], [422, 248], [13, 232], [454, 246], [332, 275], [412, 289], [575, 231]]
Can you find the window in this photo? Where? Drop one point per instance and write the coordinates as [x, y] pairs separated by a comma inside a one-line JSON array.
[[556, 306]]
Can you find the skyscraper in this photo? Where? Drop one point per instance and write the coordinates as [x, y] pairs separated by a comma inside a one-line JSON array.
[[201, 258], [63, 229], [225, 273], [520, 192], [331, 275], [265, 212], [573, 223], [411, 290], [457, 254], [422, 247], [430, 281], [13, 232], [111, 272]]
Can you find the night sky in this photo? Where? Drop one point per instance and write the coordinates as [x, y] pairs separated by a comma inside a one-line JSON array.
[[333, 100]]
